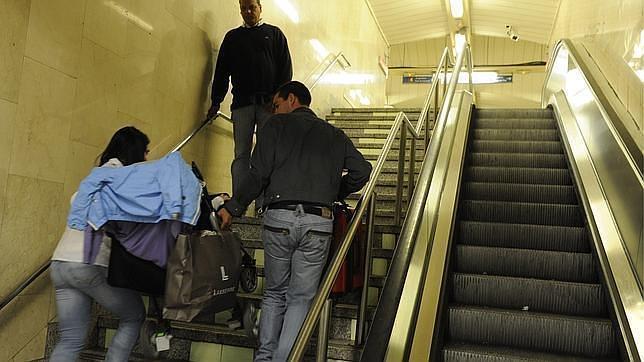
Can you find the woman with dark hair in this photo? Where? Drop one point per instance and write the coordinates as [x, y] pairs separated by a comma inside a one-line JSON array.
[[77, 284]]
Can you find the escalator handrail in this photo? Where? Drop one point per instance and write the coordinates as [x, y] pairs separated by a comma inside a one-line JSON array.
[[632, 149], [333, 269], [377, 343]]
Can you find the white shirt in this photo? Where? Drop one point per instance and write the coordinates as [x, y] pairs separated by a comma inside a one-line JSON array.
[[71, 245]]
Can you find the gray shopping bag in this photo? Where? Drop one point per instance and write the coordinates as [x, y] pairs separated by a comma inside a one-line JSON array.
[[202, 274]]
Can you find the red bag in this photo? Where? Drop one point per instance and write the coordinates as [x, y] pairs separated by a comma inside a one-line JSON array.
[[351, 275]]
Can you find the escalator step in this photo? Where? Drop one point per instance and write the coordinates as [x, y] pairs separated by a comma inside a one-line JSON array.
[[589, 337], [518, 175], [514, 123], [538, 160], [537, 295], [525, 263], [516, 134], [512, 113], [521, 213], [538, 237], [516, 146], [467, 352], [519, 192]]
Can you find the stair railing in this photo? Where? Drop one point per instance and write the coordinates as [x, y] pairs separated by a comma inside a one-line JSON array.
[[339, 58], [367, 199], [381, 335], [43, 268]]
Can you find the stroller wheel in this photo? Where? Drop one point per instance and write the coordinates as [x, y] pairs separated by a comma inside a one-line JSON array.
[[248, 279]]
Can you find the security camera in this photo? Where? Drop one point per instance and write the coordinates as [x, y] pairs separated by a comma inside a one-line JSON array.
[[511, 33]]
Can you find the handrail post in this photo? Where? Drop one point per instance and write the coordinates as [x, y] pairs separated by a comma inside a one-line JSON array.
[[364, 298], [401, 172], [412, 170], [323, 332]]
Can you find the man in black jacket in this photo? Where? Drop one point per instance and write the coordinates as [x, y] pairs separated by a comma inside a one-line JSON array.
[[255, 56], [299, 161]]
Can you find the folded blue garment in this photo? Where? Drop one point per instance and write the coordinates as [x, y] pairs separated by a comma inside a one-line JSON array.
[[145, 192]]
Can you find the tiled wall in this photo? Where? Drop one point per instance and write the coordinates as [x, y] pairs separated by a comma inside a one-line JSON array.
[[488, 52], [609, 30], [74, 71]]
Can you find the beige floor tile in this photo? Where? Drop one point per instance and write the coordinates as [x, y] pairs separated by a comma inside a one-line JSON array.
[[95, 105], [14, 18], [181, 9], [22, 320], [31, 227], [84, 159], [205, 352], [7, 124], [35, 349], [237, 354], [151, 17], [55, 32], [106, 23], [41, 135]]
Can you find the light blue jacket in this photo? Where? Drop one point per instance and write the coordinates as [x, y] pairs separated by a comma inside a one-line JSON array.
[[146, 192]]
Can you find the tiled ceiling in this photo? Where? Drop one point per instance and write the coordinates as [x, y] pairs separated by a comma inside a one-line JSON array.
[[409, 20]]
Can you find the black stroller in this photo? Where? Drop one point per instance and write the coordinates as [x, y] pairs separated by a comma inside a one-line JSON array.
[[244, 313]]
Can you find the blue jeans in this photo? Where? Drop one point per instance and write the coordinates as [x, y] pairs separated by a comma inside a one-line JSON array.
[[244, 121], [296, 246], [76, 285]]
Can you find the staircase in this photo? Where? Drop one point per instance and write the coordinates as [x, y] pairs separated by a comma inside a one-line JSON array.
[[524, 284], [210, 338]]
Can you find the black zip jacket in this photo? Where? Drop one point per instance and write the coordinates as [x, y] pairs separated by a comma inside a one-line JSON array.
[[256, 59], [300, 158]]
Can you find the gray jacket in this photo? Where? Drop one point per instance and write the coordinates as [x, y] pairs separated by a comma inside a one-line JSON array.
[[300, 158]]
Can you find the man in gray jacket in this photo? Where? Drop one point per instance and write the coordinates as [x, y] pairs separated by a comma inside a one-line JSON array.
[[298, 163]]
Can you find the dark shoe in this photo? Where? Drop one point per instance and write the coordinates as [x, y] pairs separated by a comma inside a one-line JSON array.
[[251, 319]]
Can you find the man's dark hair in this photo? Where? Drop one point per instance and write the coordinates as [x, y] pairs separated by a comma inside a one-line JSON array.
[[298, 89]]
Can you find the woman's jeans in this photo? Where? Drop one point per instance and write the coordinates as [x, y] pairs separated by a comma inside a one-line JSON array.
[[296, 245], [76, 285]]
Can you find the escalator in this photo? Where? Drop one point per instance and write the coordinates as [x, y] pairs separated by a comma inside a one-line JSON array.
[[523, 282]]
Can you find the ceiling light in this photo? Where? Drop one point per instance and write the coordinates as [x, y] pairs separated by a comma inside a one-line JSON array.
[[319, 48], [347, 78], [459, 40], [456, 7], [289, 10]]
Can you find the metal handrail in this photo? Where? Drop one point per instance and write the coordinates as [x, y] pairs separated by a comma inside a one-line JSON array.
[[431, 157], [45, 266], [375, 348], [328, 67], [199, 128], [6, 300], [635, 158], [10, 297]]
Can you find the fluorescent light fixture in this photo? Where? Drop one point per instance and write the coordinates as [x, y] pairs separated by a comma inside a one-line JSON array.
[[345, 78], [456, 7], [477, 77], [319, 48], [289, 10], [129, 16], [459, 40], [640, 73], [357, 94]]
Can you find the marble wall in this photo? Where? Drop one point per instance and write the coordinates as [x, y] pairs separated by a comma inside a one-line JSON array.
[[610, 31], [74, 71]]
